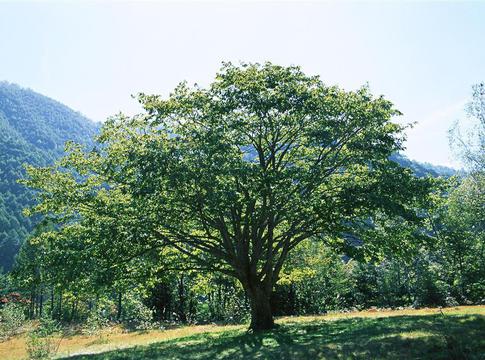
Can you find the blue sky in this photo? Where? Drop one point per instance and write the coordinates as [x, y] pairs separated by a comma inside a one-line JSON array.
[[92, 56]]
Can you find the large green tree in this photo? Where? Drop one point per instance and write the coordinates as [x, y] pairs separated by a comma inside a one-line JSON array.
[[233, 177]]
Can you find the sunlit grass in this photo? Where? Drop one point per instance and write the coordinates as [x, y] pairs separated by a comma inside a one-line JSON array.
[[451, 333]]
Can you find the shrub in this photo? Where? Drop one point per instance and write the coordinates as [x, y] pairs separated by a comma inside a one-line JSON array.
[[47, 327], [96, 321], [40, 347], [40, 344], [12, 317], [451, 301], [136, 315]]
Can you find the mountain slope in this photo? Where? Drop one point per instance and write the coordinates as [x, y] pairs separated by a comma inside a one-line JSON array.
[[423, 169], [33, 130]]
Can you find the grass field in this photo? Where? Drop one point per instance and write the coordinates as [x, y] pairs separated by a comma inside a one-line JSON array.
[[452, 333]]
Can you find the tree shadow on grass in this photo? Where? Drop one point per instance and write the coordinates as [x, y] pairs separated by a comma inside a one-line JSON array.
[[399, 337]]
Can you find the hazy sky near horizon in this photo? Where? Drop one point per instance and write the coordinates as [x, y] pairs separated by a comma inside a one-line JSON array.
[[92, 56]]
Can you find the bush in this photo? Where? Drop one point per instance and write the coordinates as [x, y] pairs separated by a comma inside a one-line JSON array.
[[136, 315], [47, 327], [40, 344], [451, 301], [40, 347], [12, 317], [96, 321]]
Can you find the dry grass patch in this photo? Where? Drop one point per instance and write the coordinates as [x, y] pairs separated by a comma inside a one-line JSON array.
[[114, 338]]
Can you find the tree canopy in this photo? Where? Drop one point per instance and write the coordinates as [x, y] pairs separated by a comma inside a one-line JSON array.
[[233, 177]]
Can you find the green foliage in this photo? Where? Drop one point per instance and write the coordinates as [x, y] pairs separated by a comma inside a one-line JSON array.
[[40, 347], [268, 177], [220, 299], [449, 270], [40, 342], [197, 297], [315, 280], [99, 316], [267, 180], [458, 223], [12, 318], [6, 285], [136, 315], [95, 322], [47, 326], [233, 177]]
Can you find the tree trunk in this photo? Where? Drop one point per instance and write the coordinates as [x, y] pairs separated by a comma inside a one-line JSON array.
[[60, 306], [260, 302], [32, 304], [120, 306], [52, 302], [41, 302], [182, 306]]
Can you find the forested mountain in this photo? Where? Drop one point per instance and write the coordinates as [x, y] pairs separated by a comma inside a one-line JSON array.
[[33, 129], [423, 169]]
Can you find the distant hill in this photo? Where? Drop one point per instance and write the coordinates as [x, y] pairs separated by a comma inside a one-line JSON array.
[[423, 169], [33, 130]]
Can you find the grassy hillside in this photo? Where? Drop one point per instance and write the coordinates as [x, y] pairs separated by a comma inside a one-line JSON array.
[[33, 130], [453, 333]]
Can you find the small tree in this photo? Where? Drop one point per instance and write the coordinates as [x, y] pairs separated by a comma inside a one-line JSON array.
[[470, 144], [234, 177]]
